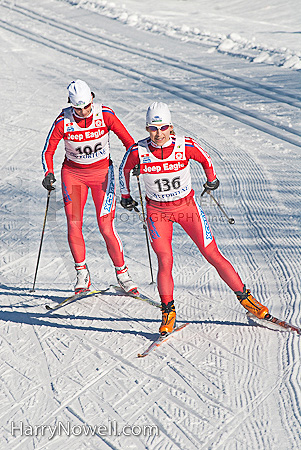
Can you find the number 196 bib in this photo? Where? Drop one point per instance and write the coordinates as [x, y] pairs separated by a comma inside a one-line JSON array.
[[86, 145]]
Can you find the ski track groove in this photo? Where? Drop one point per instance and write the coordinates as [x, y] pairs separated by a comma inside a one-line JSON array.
[[196, 372], [177, 433], [264, 234], [67, 402], [88, 342], [265, 125], [267, 233], [235, 81], [189, 367], [63, 405], [206, 337], [216, 442], [104, 440], [110, 369], [43, 365]]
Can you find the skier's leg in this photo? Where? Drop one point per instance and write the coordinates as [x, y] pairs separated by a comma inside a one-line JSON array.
[[194, 222], [103, 194], [75, 196], [160, 230], [199, 231]]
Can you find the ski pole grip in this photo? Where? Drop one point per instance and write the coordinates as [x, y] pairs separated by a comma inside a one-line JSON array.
[[136, 170]]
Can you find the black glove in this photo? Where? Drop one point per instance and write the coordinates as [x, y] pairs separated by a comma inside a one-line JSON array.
[[128, 203], [136, 170], [211, 185], [48, 182]]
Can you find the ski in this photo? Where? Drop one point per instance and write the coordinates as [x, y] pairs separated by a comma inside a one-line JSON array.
[[160, 340], [274, 324], [72, 298], [142, 297]]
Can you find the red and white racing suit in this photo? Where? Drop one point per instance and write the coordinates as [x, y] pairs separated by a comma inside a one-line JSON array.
[[87, 165], [169, 199]]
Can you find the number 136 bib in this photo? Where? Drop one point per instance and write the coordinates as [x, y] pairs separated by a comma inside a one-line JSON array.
[[165, 179]]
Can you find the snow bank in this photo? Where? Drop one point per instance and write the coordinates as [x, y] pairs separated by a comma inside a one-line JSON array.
[[232, 43]]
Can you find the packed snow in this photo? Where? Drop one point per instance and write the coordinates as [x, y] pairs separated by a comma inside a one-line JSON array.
[[230, 72], [238, 28]]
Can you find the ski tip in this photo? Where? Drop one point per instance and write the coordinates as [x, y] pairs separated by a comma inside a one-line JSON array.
[[140, 355], [48, 308]]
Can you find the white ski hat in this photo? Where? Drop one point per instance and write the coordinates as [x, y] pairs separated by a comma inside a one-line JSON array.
[[157, 114], [79, 94]]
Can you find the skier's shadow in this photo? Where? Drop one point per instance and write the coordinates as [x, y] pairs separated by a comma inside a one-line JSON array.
[[220, 322], [52, 320], [28, 294]]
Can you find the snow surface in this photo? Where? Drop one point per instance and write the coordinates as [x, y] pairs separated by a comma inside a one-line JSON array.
[[230, 72]]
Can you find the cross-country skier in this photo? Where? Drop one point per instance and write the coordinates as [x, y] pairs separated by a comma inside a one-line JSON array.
[[85, 127], [163, 158]]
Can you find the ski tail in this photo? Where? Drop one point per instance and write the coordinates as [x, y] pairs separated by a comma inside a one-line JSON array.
[[160, 340], [142, 297], [72, 298]]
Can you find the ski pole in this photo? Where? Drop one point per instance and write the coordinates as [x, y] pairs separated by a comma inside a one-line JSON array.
[[231, 220], [42, 236], [145, 228]]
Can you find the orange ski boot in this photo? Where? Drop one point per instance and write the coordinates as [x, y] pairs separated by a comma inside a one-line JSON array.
[[168, 318], [251, 304]]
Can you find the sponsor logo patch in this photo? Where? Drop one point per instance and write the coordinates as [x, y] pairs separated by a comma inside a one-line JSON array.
[[179, 155], [98, 123], [156, 119], [152, 229]]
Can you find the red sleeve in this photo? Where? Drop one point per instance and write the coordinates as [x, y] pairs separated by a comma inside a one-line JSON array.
[[131, 158], [196, 152], [54, 136], [114, 124]]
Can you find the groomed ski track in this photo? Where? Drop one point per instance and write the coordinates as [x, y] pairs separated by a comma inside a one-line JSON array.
[[222, 383]]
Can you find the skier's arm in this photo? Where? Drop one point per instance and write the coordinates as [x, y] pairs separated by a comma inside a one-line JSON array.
[[196, 152], [130, 160], [54, 136], [114, 124]]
